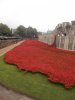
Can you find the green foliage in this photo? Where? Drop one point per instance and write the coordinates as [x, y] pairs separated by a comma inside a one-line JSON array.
[[5, 30], [33, 84], [26, 32], [21, 31], [32, 32]]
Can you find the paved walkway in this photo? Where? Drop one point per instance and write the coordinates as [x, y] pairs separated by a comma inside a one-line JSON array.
[[6, 94], [6, 49]]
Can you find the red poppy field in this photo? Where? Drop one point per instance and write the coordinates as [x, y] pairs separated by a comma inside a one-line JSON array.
[[35, 56]]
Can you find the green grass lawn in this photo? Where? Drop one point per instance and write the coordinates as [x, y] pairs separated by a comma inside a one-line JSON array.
[[33, 84]]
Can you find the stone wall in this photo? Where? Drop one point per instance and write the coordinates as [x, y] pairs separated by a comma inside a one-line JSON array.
[[65, 42], [65, 28], [63, 36], [4, 43], [49, 39], [62, 42]]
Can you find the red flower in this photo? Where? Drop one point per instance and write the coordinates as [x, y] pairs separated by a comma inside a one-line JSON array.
[[36, 56]]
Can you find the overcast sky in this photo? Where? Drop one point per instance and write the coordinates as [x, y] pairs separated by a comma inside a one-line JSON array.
[[40, 14]]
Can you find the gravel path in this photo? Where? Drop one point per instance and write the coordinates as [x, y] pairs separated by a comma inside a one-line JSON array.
[[6, 94]]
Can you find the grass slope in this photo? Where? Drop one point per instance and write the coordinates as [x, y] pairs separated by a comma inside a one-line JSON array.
[[33, 84]]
